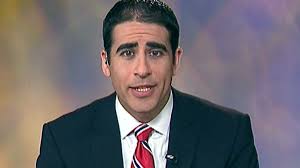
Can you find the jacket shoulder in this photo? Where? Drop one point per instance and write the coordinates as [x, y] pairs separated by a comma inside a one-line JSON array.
[[198, 106], [80, 120]]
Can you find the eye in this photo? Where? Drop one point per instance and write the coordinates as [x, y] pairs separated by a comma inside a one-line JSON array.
[[155, 53], [127, 53]]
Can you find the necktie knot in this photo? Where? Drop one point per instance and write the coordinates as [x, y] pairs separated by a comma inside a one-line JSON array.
[[142, 132], [142, 157]]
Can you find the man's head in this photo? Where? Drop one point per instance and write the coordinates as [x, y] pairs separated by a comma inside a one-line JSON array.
[[143, 55], [144, 11]]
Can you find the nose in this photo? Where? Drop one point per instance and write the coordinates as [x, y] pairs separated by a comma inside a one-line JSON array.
[[142, 67]]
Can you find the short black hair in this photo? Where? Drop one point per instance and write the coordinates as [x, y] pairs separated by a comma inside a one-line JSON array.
[[148, 11]]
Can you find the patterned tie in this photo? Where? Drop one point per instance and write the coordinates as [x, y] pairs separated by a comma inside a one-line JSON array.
[[142, 157]]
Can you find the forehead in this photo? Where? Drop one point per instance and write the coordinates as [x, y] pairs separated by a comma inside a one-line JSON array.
[[138, 32]]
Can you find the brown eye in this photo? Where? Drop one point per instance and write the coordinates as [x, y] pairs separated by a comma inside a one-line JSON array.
[[155, 53], [127, 53]]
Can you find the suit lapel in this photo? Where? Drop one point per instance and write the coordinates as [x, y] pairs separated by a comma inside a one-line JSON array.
[[106, 150], [182, 139]]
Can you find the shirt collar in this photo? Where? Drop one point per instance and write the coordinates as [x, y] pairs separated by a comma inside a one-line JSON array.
[[160, 123]]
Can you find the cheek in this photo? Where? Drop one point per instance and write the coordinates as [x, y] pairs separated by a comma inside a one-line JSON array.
[[119, 75], [164, 72]]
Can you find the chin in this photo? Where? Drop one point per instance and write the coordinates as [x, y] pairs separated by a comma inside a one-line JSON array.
[[145, 108]]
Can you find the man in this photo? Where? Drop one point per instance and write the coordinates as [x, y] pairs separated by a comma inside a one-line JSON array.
[[146, 123]]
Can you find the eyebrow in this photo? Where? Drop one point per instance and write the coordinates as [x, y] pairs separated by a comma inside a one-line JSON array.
[[126, 46], [156, 45]]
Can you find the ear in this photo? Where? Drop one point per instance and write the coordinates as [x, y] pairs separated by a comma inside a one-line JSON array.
[[177, 61], [104, 63]]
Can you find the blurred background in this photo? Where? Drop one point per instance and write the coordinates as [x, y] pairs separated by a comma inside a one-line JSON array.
[[244, 54]]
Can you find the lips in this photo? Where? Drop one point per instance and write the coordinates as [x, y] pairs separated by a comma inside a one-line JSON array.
[[142, 91]]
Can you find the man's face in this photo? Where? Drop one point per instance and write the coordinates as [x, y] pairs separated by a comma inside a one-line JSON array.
[[141, 67]]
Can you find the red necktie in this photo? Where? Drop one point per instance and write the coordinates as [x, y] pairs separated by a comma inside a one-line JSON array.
[[142, 157]]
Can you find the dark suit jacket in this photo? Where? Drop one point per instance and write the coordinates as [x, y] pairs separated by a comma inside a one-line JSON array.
[[202, 134]]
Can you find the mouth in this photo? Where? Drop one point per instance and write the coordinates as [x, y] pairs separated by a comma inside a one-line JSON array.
[[142, 90]]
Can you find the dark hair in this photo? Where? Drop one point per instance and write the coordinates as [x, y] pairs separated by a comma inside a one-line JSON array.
[[148, 11]]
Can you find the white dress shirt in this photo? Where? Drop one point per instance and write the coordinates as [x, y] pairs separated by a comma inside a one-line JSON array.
[[158, 141]]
